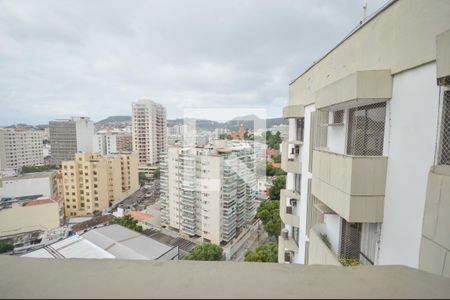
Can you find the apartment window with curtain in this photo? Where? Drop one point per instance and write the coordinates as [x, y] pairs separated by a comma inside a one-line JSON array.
[[295, 234], [366, 130]]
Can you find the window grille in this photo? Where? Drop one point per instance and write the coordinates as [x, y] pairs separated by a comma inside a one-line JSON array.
[[366, 130], [338, 117], [318, 133], [350, 241], [444, 148]]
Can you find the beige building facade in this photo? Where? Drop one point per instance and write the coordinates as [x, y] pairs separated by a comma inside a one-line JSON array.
[[93, 182], [367, 156], [20, 147]]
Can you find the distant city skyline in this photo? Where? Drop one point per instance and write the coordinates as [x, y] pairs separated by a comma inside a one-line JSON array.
[[61, 60]]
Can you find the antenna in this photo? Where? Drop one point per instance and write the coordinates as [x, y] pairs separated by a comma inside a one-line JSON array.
[[364, 11]]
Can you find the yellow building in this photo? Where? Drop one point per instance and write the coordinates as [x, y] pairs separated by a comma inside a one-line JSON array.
[[93, 182]]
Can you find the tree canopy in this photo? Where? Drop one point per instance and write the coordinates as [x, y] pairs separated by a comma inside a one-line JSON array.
[[5, 247], [128, 222], [269, 214], [273, 140], [264, 253], [278, 183], [32, 169], [206, 252]]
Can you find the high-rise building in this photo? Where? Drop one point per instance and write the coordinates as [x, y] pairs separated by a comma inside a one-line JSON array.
[[368, 153], [93, 182], [20, 147], [112, 142], [208, 192], [68, 137], [149, 127]]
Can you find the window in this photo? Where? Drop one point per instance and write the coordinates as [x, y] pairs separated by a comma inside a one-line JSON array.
[[366, 130], [444, 147], [295, 232], [300, 129]]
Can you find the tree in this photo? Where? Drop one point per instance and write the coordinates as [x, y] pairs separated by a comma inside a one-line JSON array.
[[269, 214], [33, 169], [273, 140], [264, 253], [157, 173], [142, 178], [5, 247], [278, 183], [206, 252], [271, 171], [277, 158], [128, 222]]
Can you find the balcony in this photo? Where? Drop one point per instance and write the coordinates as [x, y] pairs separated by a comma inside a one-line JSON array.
[[293, 111], [290, 157], [287, 242], [286, 213], [61, 278], [319, 252], [352, 186]]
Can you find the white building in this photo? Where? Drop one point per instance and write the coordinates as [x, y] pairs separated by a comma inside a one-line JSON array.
[[368, 152], [68, 137], [20, 147], [149, 126], [111, 142], [208, 193], [40, 184]]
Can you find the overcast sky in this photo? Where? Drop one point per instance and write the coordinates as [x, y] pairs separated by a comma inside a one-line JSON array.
[[93, 58]]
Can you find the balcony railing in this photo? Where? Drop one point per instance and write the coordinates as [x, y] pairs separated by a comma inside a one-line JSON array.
[[320, 249], [352, 186]]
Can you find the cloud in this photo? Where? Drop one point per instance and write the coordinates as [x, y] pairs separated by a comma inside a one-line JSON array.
[[93, 58]]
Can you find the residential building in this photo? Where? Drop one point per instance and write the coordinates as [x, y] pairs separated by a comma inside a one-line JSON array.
[[26, 222], [93, 182], [282, 128], [20, 147], [112, 142], [368, 150], [208, 192], [108, 242], [29, 185], [68, 137], [149, 127]]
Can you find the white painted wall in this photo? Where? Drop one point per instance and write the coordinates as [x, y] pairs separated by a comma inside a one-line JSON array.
[[85, 134], [300, 258], [333, 230], [26, 187], [411, 146], [336, 139]]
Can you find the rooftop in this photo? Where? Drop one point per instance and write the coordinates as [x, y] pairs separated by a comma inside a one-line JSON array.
[[113, 241], [29, 175], [75, 278]]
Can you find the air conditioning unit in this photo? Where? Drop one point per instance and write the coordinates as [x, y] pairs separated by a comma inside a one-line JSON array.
[[293, 202], [288, 256], [285, 234]]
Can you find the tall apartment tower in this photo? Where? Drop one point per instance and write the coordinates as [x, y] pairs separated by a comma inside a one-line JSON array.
[[368, 152], [20, 147], [68, 137], [208, 192], [110, 143], [149, 127], [93, 182]]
